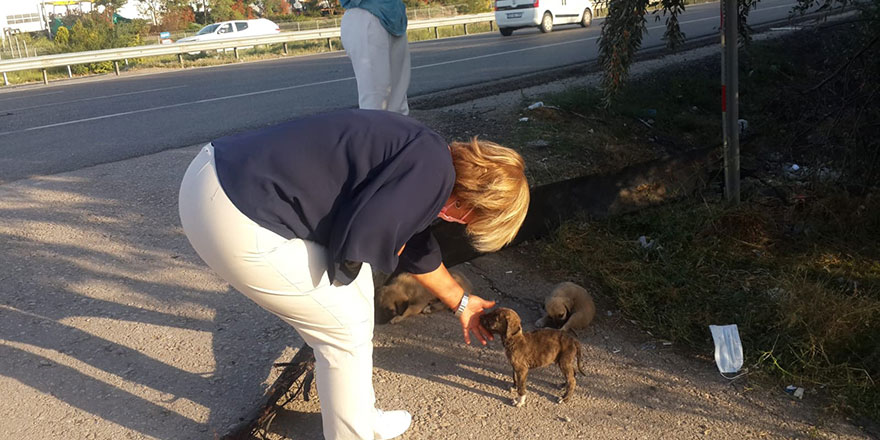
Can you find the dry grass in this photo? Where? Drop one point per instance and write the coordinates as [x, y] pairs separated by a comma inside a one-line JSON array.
[[796, 266]]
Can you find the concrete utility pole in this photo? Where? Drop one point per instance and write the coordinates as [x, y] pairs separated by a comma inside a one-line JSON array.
[[730, 98]]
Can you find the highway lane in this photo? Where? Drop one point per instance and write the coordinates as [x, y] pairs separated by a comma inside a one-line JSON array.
[[70, 125]]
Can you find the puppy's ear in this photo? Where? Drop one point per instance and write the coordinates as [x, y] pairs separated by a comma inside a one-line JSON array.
[[514, 327], [400, 307], [569, 305]]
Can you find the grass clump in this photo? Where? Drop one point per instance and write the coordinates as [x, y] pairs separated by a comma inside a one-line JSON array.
[[807, 304]]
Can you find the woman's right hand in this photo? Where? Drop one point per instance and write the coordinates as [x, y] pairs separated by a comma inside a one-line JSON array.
[[470, 319]]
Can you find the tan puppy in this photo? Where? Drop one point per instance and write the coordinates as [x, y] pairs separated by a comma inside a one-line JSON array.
[[404, 297], [569, 307], [534, 349]]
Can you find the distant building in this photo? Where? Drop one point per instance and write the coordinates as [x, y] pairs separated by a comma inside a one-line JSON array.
[[17, 16]]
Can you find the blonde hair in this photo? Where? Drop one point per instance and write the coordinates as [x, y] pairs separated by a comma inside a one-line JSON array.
[[491, 179]]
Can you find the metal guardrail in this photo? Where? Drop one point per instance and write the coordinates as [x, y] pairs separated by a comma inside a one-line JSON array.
[[45, 62]]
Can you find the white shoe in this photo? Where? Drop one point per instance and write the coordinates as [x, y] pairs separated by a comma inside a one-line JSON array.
[[390, 424]]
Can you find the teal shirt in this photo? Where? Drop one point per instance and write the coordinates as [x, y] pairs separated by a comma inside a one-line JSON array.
[[391, 13]]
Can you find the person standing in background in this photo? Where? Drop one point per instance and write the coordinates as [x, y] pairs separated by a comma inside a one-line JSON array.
[[374, 36]]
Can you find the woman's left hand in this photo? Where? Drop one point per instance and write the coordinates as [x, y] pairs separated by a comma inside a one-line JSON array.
[[470, 319]]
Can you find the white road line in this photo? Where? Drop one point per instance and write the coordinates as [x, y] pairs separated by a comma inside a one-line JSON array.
[[182, 104], [281, 89], [93, 98], [507, 52]]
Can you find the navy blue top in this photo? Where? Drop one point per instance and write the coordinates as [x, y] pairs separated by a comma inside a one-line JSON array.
[[361, 182]]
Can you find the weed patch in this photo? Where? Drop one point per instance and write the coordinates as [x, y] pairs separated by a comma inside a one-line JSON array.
[[797, 264]]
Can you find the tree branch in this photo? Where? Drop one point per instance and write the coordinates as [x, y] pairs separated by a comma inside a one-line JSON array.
[[843, 66]]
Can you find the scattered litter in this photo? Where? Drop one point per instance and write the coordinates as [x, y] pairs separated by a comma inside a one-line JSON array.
[[743, 126], [795, 391], [728, 348], [590, 130], [523, 119], [793, 167], [609, 313], [645, 243], [538, 104], [509, 271], [616, 350], [667, 343], [647, 124]]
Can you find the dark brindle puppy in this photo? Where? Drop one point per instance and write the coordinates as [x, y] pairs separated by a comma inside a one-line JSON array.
[[534, 349]]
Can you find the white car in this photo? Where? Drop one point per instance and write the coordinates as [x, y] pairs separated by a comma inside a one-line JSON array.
[[543, 14], [233, 29]]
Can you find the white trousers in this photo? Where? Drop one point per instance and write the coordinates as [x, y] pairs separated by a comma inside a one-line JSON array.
[[380, 60], [289, 279]]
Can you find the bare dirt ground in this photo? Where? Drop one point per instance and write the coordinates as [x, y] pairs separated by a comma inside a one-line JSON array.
[[636, 387], [112, 328]]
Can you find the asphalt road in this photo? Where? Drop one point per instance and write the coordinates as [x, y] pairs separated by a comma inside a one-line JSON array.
[[74, 124]]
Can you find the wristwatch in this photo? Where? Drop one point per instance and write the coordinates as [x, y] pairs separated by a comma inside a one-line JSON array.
[[462, 305]]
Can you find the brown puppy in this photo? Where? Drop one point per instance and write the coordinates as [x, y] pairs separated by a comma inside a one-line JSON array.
[[569, 307], [403, 296], [534, 349]]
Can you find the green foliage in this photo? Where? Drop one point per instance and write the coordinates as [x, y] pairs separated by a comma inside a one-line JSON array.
[[474, 6], [625, 24], [807, 308], [96, 31], [222, 10], [621, 37], [177, 17], [62, 36]]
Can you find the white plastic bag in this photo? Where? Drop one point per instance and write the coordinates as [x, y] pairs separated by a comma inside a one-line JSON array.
[[728, 348]]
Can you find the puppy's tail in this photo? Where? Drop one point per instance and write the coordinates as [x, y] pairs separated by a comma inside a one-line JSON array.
[[579, 364]]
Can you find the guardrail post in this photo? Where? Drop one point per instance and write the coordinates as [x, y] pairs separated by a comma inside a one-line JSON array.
[[116, 67], [285, 47], [5, 79], [45, 76], [436, 32], [180, 58], [69, 72], [235, 51], [330, 44], [491, 25], [465, 29]]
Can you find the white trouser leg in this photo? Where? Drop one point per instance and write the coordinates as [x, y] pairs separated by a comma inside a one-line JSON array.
[[381, 62], [400, 73], [289, 279]]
